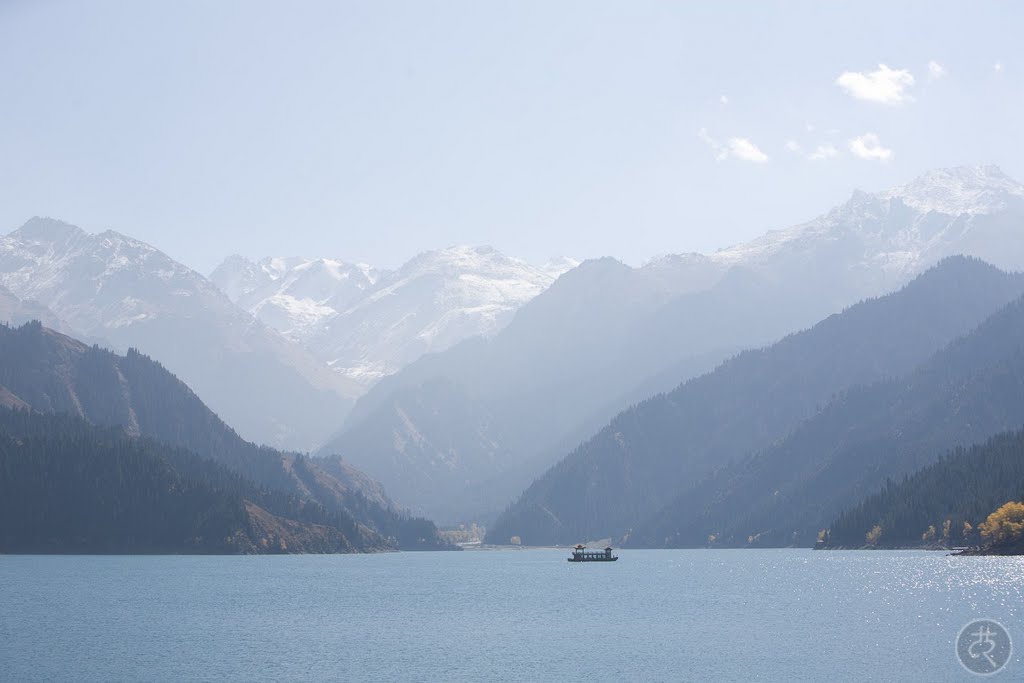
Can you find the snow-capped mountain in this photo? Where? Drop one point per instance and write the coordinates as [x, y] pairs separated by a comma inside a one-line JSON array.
[[445, 435], [884, 238], [367, 323], [15, 311], [961, 190], [293, 295], [112, 287]]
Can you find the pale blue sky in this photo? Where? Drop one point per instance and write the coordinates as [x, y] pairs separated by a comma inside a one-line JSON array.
[[371, 131]]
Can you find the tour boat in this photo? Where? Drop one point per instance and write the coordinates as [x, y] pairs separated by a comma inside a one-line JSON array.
[[581, 554]]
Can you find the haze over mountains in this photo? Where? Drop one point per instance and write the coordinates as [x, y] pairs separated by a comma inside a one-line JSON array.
[[127, 293], [367, 323], [674, 450], [17, 312], [452, 433], [273, 380], [460, 378], [49, 373], [967, 392]]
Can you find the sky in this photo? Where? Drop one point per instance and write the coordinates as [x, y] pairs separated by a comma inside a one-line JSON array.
[[373, 131]]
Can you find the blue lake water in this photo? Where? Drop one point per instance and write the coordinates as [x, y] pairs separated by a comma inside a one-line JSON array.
[[517, 615]]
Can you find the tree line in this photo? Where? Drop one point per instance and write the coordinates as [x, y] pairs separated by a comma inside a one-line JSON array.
[[946, 503]]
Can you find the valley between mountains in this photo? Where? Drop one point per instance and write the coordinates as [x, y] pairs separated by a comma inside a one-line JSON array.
[[781, 392]]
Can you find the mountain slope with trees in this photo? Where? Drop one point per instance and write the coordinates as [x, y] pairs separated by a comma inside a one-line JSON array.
[[67, 486], [52, 373], [964, 394], [963, 488], [111, 287], [650, 453], [485, 408], [574, 356]]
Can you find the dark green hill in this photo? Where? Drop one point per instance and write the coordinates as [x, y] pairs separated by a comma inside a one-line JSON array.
[[669, 444], [969, 391], [53, 373], [67, 486], [966, 485]]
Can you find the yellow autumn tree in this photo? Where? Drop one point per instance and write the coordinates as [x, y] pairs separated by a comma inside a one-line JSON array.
[[967, 530], [946, 527], [929, 534], [1005, 525], [872, 536]]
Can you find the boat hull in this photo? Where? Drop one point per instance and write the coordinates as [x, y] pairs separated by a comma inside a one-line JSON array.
[[592, 559]]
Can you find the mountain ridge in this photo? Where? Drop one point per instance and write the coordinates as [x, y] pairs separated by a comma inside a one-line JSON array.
[[128, 293], [577, 353], [964, 394], [72, 487], [52, 373], [636, 463], [367, 323]]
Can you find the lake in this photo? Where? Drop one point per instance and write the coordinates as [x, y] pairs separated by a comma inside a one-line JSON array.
[[526, 615]]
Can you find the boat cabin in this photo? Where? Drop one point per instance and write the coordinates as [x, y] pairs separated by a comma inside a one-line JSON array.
[[581, 554]]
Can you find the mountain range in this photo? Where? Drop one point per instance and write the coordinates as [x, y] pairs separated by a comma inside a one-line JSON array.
[[670, 444], [43, 371], [461, 377], [967, 392], [280, 348], [125, 293], [368, 323], [455, 434]]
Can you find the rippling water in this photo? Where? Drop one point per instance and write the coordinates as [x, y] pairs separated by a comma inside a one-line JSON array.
[[518, 615]]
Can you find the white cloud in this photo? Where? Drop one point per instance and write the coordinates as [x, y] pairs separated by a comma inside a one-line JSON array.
[[740, 149], [745, 150], [997, 67], [869, 147], [793, 146], [885, 86], [935, 70], [724, 99], [821, 152]]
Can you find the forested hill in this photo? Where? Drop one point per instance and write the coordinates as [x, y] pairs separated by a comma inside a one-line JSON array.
[[67, 486], [783, 495], [966, 485], [53, 373], [661, 449]]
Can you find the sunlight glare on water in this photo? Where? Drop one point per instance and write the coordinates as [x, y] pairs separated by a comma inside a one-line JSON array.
[[528, 615]]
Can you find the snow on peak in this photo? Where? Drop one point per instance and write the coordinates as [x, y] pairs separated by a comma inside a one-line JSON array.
[[957, 191], [368, 323], [53, 261], [899, 226], [466, 277], [557, 265], [459, 258], [293, 294], [435, 300]]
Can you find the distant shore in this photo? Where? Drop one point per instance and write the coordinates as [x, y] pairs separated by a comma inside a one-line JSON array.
[[973, 551], [1003, 550]]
